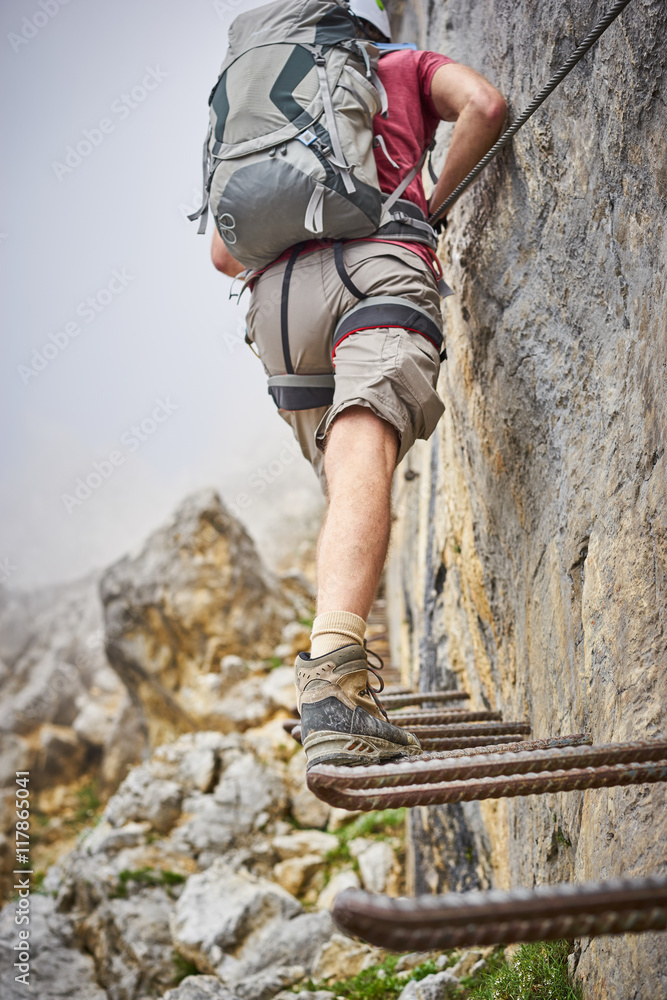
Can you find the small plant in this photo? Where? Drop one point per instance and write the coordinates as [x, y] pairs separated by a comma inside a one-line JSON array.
[[38, 882], [380, 982], [538, 971], [183, 968], [88, 805], [145, 877], [380, 823]]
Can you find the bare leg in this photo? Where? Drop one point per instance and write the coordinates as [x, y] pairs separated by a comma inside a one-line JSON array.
[[359, 462], [341, 720]]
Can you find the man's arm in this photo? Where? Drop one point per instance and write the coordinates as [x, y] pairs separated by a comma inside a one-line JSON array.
[[222, 259], [464, 96]]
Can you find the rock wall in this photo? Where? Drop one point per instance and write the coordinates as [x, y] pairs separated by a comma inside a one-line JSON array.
[[538, 511]]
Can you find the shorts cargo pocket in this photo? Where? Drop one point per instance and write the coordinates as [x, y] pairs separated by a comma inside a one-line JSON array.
[[417, 368]]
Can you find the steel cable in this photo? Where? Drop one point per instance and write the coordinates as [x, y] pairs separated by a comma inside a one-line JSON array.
[[590, 40]]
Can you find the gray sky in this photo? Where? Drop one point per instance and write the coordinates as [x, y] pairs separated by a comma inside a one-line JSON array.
[[114, 319]]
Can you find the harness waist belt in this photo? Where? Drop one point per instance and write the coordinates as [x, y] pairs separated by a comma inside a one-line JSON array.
[[301, 392], [387, 310]]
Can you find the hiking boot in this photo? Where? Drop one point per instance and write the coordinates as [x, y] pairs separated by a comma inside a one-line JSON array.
[[342, 720]]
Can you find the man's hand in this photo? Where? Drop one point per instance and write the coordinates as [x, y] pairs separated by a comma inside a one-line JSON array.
[[222, 259], [464, 96]]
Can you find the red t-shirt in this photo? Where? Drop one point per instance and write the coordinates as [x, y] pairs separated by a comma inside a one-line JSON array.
[[410, 125]]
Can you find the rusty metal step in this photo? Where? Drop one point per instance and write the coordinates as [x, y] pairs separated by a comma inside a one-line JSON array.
[[440, 716], [470, 729], [449, 737], [498, 917], [396, 699], [436, 779], [436, 744]]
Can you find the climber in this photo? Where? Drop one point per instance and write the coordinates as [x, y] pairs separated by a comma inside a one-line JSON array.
[[368, 310]]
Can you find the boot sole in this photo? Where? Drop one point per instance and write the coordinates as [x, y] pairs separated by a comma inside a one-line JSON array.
[[328, 747]]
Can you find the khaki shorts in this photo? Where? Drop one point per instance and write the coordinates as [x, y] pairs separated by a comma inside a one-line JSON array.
[[391, 370]]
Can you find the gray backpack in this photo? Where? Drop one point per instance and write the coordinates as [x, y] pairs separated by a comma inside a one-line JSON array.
[[289, 152]]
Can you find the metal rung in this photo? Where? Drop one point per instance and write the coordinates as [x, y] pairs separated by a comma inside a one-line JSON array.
[[440, 717], [434, 768], [418, 782], [498, 917], [398, 699], [471, 729], [436, 744]]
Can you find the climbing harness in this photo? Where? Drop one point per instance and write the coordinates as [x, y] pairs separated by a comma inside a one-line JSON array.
[[462, 920], [590, 40]]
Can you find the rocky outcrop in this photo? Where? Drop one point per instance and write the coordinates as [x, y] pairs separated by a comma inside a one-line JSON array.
[[64, 714], [174, 619], [186, 875], [195, 595], [538, 511]]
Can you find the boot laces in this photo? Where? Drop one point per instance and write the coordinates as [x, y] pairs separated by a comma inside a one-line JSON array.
[[374, 692]]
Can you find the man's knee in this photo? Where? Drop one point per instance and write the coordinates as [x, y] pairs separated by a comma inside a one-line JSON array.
[[357, 436], [362, 425]]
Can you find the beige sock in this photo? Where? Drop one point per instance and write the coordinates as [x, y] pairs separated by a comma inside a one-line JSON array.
[[334, 629]]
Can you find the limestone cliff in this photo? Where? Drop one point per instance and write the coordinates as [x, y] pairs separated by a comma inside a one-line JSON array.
[[539, 509]]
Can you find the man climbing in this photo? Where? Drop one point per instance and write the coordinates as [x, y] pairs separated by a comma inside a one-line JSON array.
[[366, 311]]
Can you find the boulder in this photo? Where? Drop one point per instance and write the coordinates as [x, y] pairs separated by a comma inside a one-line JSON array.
[[195, 593], [293, 873], [209, 933], [200, 988], [339, 881], [294, 941], [378, 865], [143, 797], [438, 986], [264, 985], [306, 808], [340, 958], [131, 943], [300, 842], [58, 969]]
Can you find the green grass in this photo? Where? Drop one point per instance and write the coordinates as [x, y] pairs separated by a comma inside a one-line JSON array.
[[380, 824], [380, 982], [538, 971], [145, 877], [182, 968], [88, 806]]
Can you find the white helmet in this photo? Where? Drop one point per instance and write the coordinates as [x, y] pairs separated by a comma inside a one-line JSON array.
[[373, 11]]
